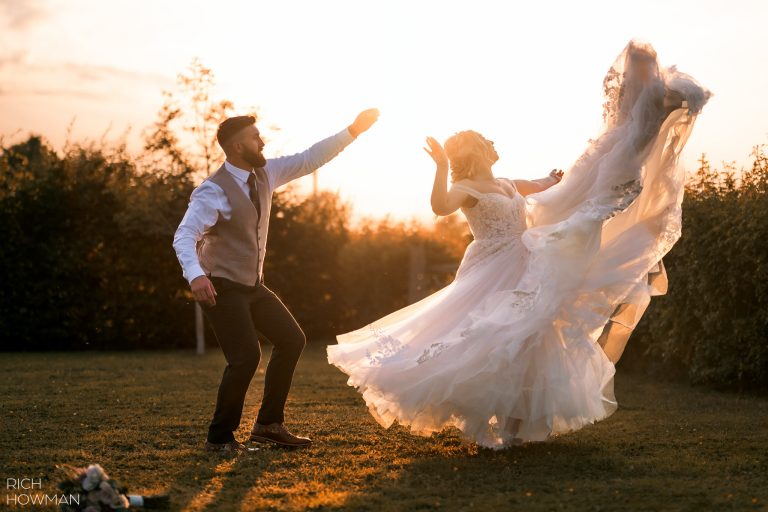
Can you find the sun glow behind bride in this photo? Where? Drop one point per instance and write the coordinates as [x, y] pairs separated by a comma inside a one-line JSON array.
[[526, 76]]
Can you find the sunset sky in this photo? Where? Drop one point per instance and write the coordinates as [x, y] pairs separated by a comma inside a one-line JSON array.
[[527, 76]]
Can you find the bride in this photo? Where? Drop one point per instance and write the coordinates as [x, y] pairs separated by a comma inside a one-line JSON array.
[[522, 344]]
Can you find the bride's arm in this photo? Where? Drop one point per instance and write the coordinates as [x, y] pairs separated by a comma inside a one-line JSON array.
[[444, 201], [683, 91], [525, 187]]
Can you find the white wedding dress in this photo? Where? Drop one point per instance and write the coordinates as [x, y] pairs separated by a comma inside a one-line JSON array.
[[522, 344]]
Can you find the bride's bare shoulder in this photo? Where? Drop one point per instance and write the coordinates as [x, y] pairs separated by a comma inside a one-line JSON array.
[[469, 191], [464, 184], [512, 182]]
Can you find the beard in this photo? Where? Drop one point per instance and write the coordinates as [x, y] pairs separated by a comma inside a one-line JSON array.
[[254, 158]]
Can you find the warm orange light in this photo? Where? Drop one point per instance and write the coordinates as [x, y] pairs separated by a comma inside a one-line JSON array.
[[528, 77]]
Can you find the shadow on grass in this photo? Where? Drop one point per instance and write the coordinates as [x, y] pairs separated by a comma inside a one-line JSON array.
[[558, 474], [444, 466]]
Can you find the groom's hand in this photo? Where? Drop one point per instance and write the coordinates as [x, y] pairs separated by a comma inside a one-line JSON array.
[[203, 290], [363, 121]]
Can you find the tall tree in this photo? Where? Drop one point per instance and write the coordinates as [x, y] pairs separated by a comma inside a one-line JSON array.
[[184, 132]]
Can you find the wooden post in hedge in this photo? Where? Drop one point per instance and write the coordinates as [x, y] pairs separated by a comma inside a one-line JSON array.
[[199, 329], [417, 269], [422, 274]]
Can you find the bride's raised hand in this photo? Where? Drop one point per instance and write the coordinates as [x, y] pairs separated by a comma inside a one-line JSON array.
[[437, 153]]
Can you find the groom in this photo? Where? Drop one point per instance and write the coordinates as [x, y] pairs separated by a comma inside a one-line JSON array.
[[221, 244]]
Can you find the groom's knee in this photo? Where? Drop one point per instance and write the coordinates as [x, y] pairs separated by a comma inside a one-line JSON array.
[[296, 342], [247, 362]]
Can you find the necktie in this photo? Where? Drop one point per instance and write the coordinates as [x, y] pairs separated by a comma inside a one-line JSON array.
[[253, 193]]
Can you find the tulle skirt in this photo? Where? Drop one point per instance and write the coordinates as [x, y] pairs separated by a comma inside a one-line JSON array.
[[480, 354]]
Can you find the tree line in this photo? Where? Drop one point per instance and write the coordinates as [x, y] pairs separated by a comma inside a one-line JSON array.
[[712, 326], [86, 259]]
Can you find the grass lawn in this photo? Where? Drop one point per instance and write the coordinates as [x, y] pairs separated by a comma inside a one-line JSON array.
[[143, 416]]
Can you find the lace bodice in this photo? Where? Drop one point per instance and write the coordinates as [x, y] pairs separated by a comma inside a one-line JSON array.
[[496, 215]]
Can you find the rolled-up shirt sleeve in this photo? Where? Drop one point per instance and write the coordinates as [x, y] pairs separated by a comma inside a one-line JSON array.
[[202, 213], [283, 169]]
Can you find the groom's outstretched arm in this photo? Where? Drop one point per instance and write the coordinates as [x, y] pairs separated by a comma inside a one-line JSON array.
[[287, 168]]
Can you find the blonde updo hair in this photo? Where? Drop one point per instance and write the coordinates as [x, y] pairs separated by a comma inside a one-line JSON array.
[[468, 151], [640, 49]]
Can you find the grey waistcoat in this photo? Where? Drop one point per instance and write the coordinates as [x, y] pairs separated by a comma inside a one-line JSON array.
[[234, 249]]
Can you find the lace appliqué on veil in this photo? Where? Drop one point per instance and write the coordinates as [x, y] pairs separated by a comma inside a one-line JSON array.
[[671, 232], [603, 209], [523, 300], [611, 92]]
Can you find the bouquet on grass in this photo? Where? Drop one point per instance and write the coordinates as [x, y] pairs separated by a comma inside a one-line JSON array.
[[98, 493]]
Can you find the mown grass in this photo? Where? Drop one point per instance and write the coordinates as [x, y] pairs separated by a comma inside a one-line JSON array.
[[143, 416]]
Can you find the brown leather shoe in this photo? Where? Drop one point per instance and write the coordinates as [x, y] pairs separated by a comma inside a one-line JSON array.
[[276, 433], [232, 447]]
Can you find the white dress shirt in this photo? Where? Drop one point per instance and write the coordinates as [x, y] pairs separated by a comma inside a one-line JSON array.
[[208, 201]]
